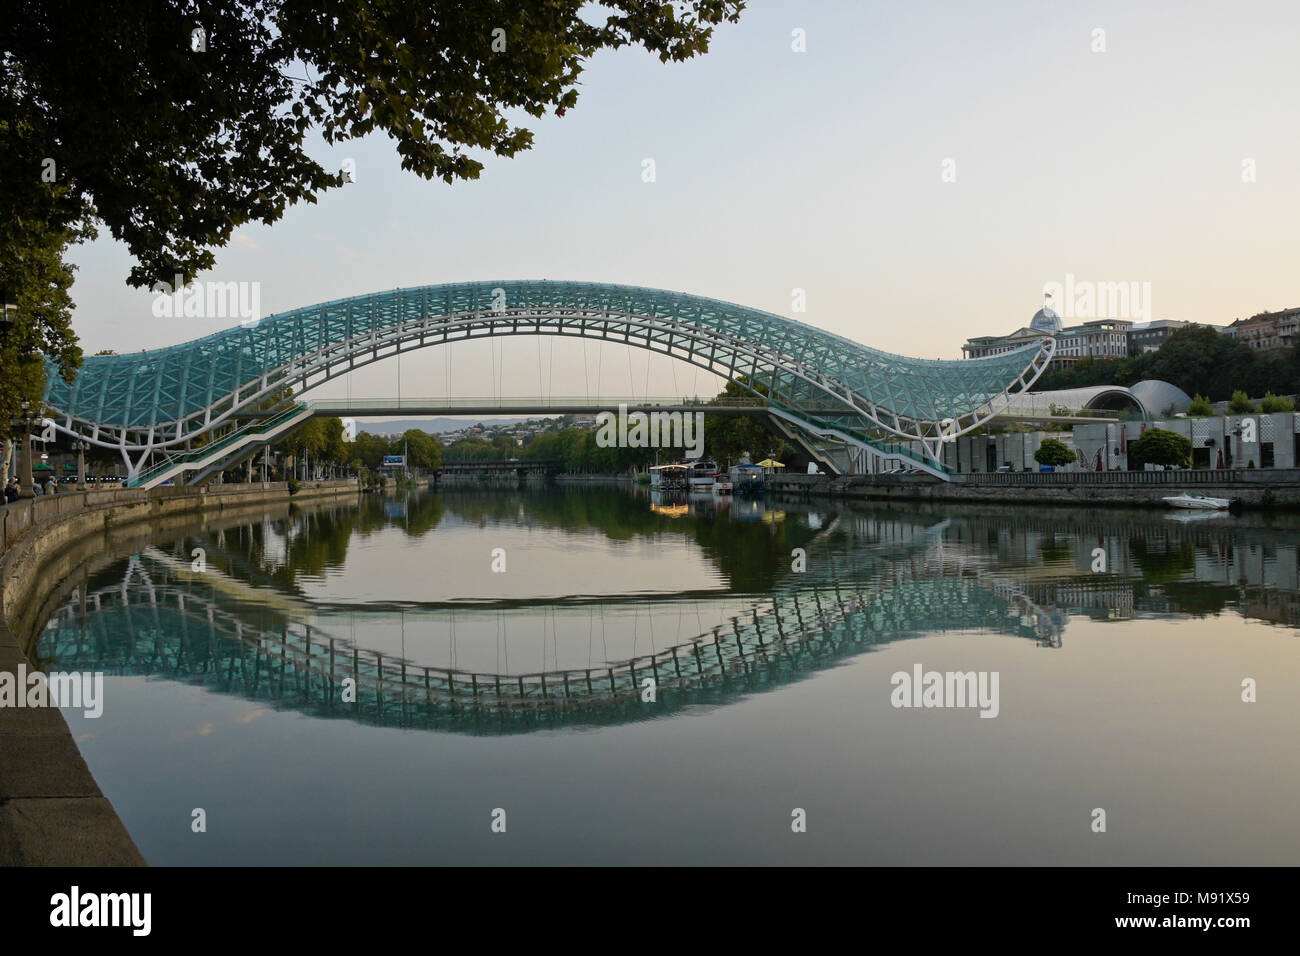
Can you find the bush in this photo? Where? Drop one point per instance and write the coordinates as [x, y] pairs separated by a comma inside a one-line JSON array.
[[1053, 452], [1200, 407], [1241, 403], [294, 486], [1272, 403], [1158, 446]]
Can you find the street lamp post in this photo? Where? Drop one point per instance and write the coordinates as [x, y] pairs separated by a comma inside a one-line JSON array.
[[81, 446]]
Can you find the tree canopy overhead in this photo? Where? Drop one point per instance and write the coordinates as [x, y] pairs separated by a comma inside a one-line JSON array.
[[173, 138], [173, 123]]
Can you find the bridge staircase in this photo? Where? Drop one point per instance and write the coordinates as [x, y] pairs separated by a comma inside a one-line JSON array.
[[831, 457], [849, 450], [199, 463]]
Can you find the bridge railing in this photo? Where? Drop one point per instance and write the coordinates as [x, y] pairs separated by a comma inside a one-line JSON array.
[[1172, 477], [502, 464], [540, 402], [588, 403]]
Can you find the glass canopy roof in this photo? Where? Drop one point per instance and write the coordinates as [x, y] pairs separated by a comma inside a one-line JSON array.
[[792, 362]]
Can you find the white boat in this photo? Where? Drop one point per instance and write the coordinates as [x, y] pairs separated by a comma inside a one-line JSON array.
[[1199, 502], [722, 484], [702, 474]]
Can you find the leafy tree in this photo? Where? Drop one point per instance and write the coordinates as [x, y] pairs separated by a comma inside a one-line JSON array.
[[1200, 407], [175, 123], [335, 449], [174, 138], [1240, 404], [35, 277], [1159, 446], [728, 437], [474, 449], [1053, 452], [1196, 359], [1201, 359], [370, 450], [421, 448], [1272, 403]]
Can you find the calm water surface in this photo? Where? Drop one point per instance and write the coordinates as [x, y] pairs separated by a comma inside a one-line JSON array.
[[476, 689]]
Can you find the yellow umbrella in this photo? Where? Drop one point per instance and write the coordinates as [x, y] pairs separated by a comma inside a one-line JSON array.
[[769, 463]]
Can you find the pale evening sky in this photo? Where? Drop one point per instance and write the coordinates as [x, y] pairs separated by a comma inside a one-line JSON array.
[[822, 170]]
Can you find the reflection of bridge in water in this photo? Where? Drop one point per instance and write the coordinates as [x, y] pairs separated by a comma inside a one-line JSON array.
[[160, 622]]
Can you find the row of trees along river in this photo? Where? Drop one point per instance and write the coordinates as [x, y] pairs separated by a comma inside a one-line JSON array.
[[320, 442]]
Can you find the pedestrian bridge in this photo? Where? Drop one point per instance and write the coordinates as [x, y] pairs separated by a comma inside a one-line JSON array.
[[182, 405]]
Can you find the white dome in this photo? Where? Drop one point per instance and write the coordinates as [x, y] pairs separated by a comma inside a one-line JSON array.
[[1156, 396]]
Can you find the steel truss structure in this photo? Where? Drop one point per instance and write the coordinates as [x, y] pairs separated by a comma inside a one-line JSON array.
[[163, 400]]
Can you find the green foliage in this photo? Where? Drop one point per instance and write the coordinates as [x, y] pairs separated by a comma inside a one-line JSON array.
[[1159, 446], [728, 437], [34, 274], [1272, 403], [421, 448], [1053, 452], [371, 449], [1240, 403], [475, 449], [321, 439], [334, 448], [109, 115], [1197, 360], [294, 486], [1200, 407], [175, 148]]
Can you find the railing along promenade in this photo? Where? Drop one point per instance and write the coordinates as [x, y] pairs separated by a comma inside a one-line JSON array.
[[18, 517], [1168, 478]]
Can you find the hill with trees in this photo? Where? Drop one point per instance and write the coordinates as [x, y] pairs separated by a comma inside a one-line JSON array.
[[1198, 360]]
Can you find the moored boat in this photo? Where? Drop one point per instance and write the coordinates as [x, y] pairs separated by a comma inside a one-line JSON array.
[[674, 477], [702, 472], [722, 484]]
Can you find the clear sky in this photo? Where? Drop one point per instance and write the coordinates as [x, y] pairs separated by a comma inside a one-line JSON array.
[[823, 170]]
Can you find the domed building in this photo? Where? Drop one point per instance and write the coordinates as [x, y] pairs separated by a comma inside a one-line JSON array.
[[1098, 339], [1045, 320]]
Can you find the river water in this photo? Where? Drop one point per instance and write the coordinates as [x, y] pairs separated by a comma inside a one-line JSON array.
[[609, 677]]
